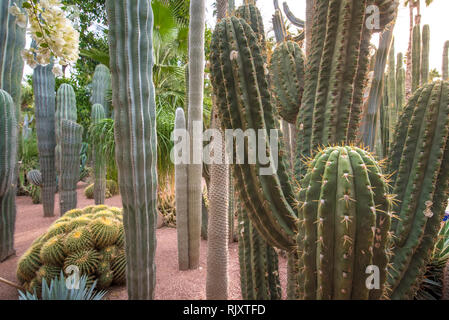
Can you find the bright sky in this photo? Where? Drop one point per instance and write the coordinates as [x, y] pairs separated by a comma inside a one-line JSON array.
[[436, 15]]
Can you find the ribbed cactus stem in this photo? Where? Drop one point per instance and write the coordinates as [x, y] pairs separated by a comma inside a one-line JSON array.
[[65, 110], [35, 177], [400, 83], [181, 192], [425, 55], [416, 58], [392, 110], [101, 86], [131, 49], [45, 99], [98, 114], [343, 226], [71, 141], [8, 157], [446, 61], [195, 126], [419, 162]]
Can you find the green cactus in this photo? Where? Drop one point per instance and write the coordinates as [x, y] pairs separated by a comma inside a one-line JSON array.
[[12, 42], [419, 165], [44, 96], [259, 269], [425, 56], [445, 67], [131, 27], [400, 83], [416, 58], [8, 152], [279, 26], [105, 232], [111, 190], [251, 14], [65, 110], [98, 114], [101, 86], [343, 225], [287, 71], [71, 141]]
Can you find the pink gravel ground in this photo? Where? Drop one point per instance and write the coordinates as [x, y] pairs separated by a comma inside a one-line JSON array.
[[171, 284]]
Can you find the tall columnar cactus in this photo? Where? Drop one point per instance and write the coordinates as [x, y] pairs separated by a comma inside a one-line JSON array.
[[98, 114], [131, 48], [8, 157], [71, 141], [392, 107], [44, 100], [343, 225], [195, 126], [181, 192], [101, 86], [259, 264], [65, 110], [416, 58], [419, 161], [400, 82], [445, 67], [12, 42], [425, 56], [287, 71], [251, 14]]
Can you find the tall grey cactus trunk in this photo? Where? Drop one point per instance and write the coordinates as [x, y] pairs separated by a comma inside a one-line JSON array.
[[131, 48], [12, 42], [98, 113], [71, 141], [195, 126], [44, 101]]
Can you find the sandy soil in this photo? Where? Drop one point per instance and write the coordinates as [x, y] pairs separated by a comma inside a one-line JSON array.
[[171, 283]]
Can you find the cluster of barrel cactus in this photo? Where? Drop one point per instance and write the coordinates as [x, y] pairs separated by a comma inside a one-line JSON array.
[[90, 240], [110, 191]]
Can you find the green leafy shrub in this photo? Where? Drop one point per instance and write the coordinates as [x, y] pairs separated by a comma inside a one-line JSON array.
[[111, 190], [90, 239]]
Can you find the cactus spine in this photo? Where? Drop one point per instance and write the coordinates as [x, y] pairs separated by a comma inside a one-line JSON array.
[[425, 54], [420, 158], [71, 141], [12, 42], [130, 43], [446, 61], [98, 113], [8, 157], [44, 96], [65, 110], [101, 85]]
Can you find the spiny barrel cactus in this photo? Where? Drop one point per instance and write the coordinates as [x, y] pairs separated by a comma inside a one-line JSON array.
[[420, 166], [111, 190], [101, 86], [35, 177], [259, 263], [71, 140], [287, 71], [98, 114], [89, 240], [65, 110], [8, 156], [344, 222], [44, 96], [131, 27]]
